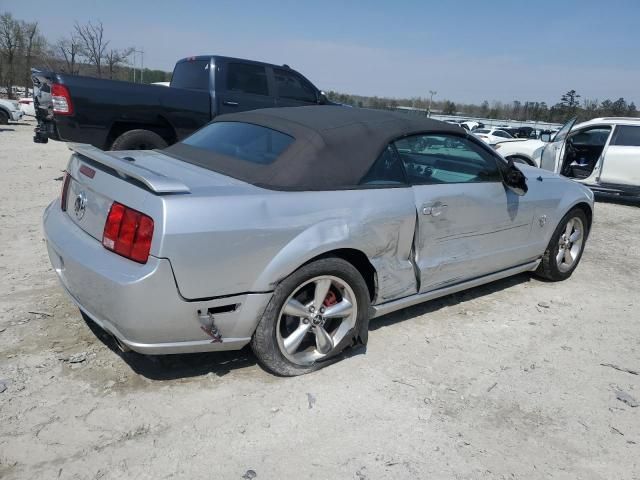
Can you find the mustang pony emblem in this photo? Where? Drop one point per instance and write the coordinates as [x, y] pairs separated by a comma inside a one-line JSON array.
[[80, 205]]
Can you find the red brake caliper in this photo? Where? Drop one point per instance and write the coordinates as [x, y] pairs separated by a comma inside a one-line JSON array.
[[330, 299]]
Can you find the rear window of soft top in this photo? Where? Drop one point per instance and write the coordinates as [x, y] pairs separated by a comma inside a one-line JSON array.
[[244, 141]]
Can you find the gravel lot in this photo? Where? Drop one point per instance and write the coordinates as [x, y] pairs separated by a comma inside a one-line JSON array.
[[503, 381]]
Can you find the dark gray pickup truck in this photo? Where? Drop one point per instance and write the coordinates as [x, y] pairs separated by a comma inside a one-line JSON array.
[[116, 115]]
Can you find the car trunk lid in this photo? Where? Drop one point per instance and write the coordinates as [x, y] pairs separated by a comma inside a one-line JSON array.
[[141, 180]]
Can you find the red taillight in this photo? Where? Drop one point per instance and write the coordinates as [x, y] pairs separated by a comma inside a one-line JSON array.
[[25, 101], [128, 233], [61, 100], [65, 189]]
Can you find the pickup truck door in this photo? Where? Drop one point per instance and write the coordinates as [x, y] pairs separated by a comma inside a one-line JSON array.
[[293, 90], [552, 154], [621, 163], [243, 86], [469, 224]]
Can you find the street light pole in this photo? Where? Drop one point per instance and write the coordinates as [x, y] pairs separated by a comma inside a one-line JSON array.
[[135, 52], [432, 93]]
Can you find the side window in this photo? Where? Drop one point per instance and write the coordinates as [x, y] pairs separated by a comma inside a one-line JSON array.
[[192, 74], [246, 78], [591, 138], [290, 85], [436, 158], [501, 134], [387, 170], [626, 136]]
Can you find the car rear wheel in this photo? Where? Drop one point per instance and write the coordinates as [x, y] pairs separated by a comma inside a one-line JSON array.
[[4, 118], [313, 315], [138, 140], [565, 247]]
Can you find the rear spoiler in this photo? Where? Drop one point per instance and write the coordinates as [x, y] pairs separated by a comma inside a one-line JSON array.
[[154, 181]]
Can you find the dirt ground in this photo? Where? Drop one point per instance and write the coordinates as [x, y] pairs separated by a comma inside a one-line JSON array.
[[505, 381]]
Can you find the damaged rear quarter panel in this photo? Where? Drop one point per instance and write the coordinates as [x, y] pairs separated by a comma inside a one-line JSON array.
[[229, 244]]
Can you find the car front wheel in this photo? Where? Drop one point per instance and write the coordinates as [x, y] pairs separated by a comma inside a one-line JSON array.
[[565, 247], [314, 314]]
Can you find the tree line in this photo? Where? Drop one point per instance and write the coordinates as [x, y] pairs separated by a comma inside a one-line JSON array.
[[87, 51], [84, 51], [569, 105]]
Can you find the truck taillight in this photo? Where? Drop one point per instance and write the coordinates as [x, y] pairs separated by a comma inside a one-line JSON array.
[[128, 233], [65, 190], [61, 100]]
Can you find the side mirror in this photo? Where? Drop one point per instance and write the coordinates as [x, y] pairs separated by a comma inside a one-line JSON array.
[[322, 98], [515, 180], [545, 137]]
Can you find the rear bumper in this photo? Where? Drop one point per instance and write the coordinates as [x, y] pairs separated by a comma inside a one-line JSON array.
[[16, 115], [140, 304]]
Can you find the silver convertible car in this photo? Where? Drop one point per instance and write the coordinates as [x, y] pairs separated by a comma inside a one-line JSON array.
[[290, 228]]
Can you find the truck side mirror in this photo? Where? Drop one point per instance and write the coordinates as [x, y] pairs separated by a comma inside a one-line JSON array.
[[322, 98], [545, 137]]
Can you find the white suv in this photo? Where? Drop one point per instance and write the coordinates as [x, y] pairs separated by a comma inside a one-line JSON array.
[[603, 153]]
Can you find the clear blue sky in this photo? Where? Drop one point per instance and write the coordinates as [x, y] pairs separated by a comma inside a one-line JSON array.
[[466, 50]]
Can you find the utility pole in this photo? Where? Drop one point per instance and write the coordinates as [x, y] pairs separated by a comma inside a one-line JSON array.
[[432, 93]]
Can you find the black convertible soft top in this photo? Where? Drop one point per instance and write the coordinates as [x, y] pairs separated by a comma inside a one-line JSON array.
[[334, 146]]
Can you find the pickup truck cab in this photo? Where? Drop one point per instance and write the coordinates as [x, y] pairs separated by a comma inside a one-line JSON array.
[[116, 115]]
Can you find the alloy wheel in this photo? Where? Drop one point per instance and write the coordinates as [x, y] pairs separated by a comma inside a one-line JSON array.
[[315, 318], [570, 244]]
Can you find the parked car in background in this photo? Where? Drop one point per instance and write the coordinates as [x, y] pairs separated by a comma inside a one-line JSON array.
[[27, 106], [9, 111], [602, 153], [491, 135], [472, 125], [252, 231], [111, 114]]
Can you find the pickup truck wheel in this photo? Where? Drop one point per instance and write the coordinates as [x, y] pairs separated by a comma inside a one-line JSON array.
[[312, 315], [4, 118], [139, 140], [565, 247]]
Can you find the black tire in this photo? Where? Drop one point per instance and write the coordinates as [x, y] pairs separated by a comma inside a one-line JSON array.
[[4, 118], [548, 267], [264, 342], [139, 140]]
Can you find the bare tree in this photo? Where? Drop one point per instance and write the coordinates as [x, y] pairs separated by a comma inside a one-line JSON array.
[[69, 50], [10, 43], [33, 42], [92, 43], [115, 58]]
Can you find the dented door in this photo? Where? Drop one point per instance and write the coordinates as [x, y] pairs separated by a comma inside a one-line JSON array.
[[468, 230]]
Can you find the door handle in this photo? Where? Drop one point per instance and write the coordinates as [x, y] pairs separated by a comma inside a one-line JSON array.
[[231, 104], [434, 210]]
